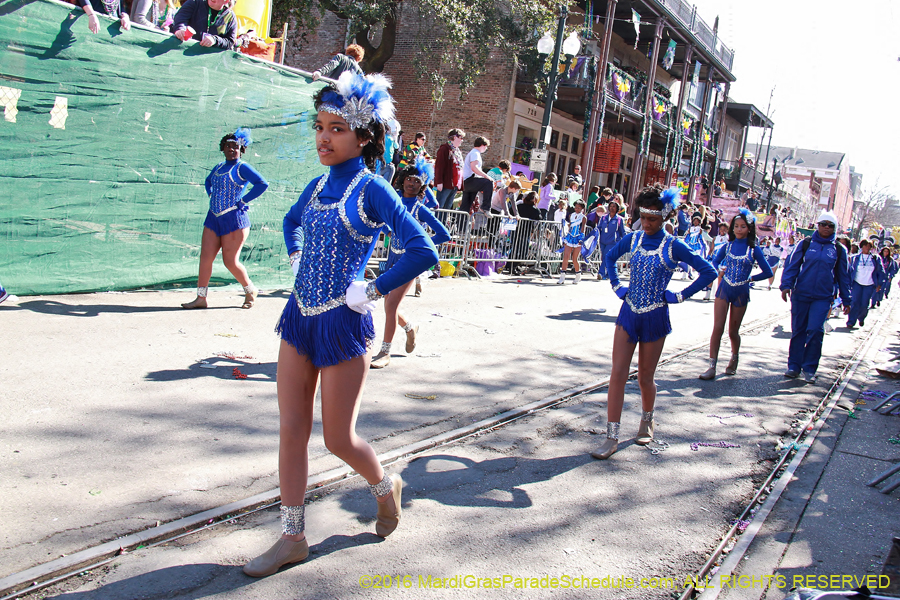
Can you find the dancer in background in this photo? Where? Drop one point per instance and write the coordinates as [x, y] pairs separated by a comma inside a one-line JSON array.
[[719, 242], [734, 261], [227, 224], [643, 320], [612, 230], [326, 326], [415, 182], [572, 242]]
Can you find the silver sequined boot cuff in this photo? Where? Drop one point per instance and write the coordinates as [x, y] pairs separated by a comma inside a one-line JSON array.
[[647, 415], [202, 292], [382, 488], [612, 431], [293, 521]]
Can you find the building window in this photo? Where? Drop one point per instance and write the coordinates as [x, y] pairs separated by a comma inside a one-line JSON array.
[[574, 145], [629, 164], [554, 139], [565, 143], [572, 165], [551, 161]]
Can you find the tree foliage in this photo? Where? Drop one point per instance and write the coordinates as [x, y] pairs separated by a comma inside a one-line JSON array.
[[457, 35], [877, 207]]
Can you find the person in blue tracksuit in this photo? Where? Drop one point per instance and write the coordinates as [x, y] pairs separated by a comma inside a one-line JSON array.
[[866, 278], [890, 270], [612, 230], [808, 281], [643, 322]]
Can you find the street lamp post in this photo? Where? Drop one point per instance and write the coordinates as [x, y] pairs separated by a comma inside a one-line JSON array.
[[570, 48]]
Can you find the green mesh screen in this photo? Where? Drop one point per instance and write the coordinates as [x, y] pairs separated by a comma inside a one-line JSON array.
[[106, 141]]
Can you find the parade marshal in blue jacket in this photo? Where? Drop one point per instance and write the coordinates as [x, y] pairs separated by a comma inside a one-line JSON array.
[[866, 277], [809, 278]]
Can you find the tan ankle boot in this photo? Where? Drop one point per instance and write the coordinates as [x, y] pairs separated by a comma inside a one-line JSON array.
[[388, 511], [282, 553], [645, 433], [250, 298], [731, 369], [608, 448], [198, 302], [710, 373]]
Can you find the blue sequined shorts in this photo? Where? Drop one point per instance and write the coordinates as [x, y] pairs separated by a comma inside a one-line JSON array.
[[231, 221]]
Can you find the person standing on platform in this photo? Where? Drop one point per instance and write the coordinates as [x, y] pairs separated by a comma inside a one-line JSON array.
[[448, 169], [348, 62], [808, 280], [475, 179]]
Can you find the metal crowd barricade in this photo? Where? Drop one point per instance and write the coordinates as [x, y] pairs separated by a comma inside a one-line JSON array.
[[453, 254]]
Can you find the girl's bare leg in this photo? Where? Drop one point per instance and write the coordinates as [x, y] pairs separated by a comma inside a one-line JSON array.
[[734, 332], [210, 244], [623, 351], [231, 252], [392, 310], [648, 359]]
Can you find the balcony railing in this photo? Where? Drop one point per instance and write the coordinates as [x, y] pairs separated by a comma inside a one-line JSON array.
[[735, 171], [691, 20], [578, 73], [624, 88]]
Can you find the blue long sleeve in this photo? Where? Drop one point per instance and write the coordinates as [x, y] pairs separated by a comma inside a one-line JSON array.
[[441, 233], [259, 185], [430, 201], [383, 204], [843, 278], [760, 259], [622, 247], [705, 271], [792, 268], [719, 256]]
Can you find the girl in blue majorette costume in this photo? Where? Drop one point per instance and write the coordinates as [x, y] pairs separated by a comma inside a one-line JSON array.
[[227, 225], [643, 320], [734, 262], [697, 239], [572, 242], [326, 327], [414, 182]]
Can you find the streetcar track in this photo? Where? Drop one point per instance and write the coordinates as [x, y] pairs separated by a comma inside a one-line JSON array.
[[55, 571]]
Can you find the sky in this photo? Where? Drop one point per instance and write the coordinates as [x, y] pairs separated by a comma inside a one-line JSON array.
[[835, 70]]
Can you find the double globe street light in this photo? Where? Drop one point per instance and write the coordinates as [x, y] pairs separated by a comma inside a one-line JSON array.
[[570, 47]]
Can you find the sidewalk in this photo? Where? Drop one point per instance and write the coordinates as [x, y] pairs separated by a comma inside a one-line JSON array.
[[829, 522]]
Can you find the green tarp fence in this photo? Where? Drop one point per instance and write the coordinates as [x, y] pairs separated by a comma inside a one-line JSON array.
[[106, 140]]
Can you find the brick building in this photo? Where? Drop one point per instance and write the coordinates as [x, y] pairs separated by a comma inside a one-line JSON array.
[[665, 134]]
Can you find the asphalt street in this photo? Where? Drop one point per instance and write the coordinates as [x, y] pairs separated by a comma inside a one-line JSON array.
[[117, 421]]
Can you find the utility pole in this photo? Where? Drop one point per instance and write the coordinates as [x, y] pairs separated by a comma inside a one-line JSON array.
[[759, 149]]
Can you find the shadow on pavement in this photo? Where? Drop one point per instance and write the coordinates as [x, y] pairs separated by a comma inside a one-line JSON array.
[[252, 370], [51, 307], [586, 314], [176, 581]]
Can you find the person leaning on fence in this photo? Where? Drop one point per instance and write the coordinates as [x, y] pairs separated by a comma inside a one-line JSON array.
[[643, 320], [549, 196], [214, 18], [808, 281], [113, 9], [474, 179], [227, 225], [348, 62], [504, 200], [448, 168]]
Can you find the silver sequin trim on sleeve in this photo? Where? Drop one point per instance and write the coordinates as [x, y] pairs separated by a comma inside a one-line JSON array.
[[383, 487], [680, 297], [362, 213]]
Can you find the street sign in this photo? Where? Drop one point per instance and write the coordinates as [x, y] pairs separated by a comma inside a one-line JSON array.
[[538, 161]]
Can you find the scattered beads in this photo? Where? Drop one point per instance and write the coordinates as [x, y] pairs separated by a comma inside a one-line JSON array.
[[696, 445]]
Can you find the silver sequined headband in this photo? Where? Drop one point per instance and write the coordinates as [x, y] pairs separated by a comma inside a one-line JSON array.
[[358, 113], [659, 213]]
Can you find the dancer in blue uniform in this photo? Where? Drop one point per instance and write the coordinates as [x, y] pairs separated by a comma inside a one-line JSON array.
[[612, 230], [808, 280], [415, 183], [326, 327], [572, 242], [734, 261], [227, 225], [890, 269], [643, 320], [866, 277]]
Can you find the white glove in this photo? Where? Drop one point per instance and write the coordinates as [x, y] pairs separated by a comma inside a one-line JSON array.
[[357, 299], [295, 263]]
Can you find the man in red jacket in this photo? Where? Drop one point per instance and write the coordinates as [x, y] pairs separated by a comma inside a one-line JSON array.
[[448, 164]]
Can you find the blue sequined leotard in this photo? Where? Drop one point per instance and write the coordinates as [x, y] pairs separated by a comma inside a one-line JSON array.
[[420, 213], [226, 186], [335, 225], [645, 314], [736, 259]]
